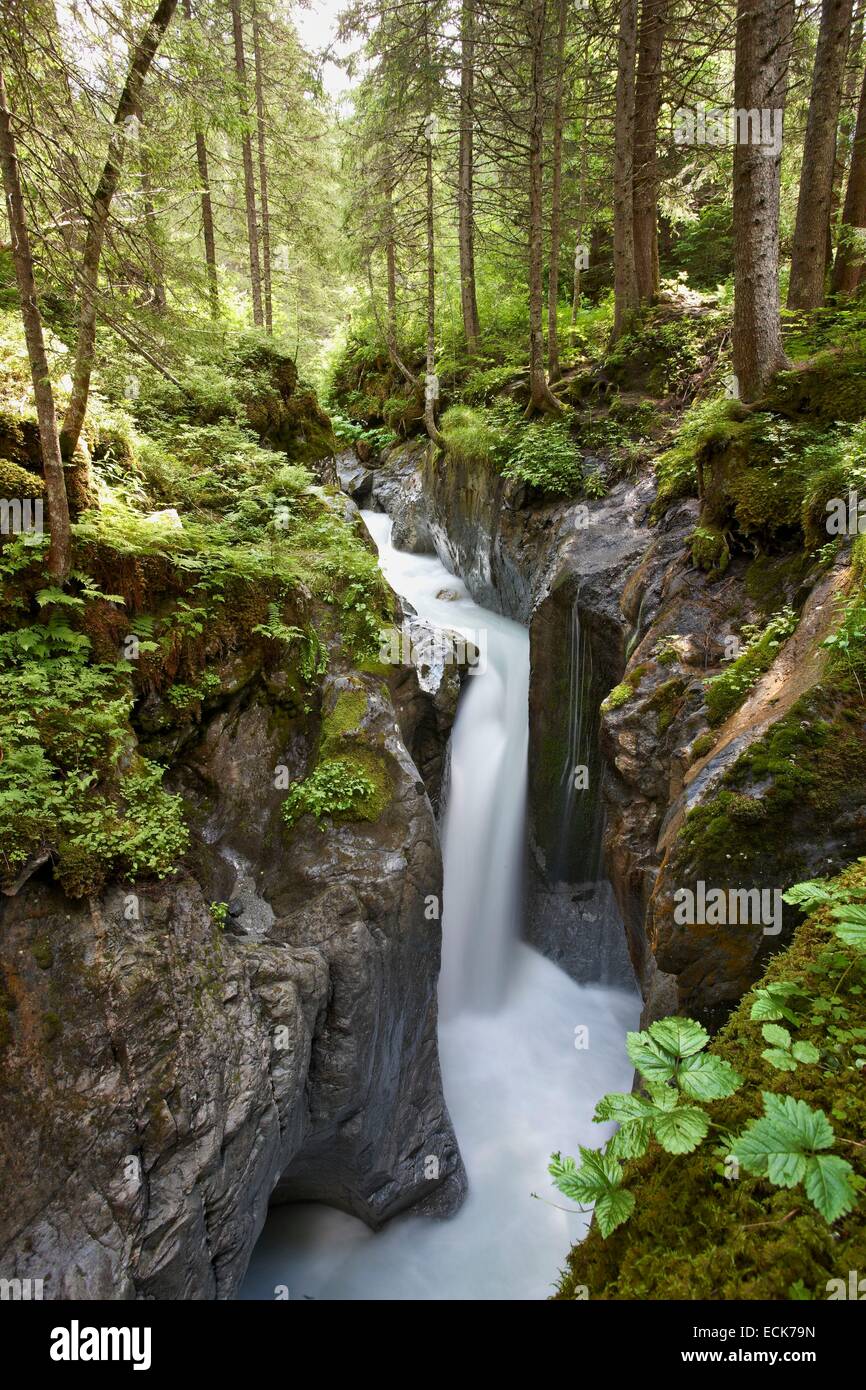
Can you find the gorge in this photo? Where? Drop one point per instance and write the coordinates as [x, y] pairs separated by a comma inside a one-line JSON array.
[[525, 1051], [432, 657]]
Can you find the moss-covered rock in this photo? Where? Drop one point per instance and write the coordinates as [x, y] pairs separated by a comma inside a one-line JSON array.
[[16, 481], [696, 1233]]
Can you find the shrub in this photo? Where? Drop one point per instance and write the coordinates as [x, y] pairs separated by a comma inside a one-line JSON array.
[[725, 693], [337, 788]]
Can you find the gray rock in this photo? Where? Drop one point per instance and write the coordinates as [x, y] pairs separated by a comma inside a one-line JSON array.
[[164, 1079]]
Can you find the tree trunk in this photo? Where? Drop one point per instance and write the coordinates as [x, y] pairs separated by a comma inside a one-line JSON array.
[[648, 96], [540, 395], [263, 173], [52, 462], [249, 179], [129, 103], [626, 297], [431, 384], [206, 208], [553, 369], [581, 197], [808, 257], [763, 47], [848, 267], [465, 192], [845, 125], [157, 281]]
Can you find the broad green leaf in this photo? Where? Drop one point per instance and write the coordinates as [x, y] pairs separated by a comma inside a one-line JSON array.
[[850, 926], [707, 1078], [651, 1060], [620, 1107], [780, 1000], [663, 1097], [566, 1176], [809, 895], [788, 1128], [596, 1175], [680, 1131], [613, 1209], [630, 1141], [776, 1036], [806, 1052], [779, 1058], [829, 1185], [681, 1036], [786, 1169]]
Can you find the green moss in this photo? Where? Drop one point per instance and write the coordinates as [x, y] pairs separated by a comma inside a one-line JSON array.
[[772, 581], [810, 767], [702, 745], [832, 386], [619, 696], [725, 693], [697, 1234], [43, 953], [469, 436], [349, 710], [354, 786], [710, 550], [622, 693], [667, 701], [19, 482], [706, 428]]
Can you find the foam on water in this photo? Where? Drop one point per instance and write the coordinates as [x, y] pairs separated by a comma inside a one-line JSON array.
[[517, 1087]]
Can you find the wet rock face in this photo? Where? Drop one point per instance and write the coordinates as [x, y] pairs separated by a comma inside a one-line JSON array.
[[166, 1074], [425, 690]]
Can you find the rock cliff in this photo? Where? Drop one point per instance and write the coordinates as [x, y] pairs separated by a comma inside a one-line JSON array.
[[260, 1027]]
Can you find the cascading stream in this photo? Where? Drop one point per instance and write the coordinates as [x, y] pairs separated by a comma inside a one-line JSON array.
[[517, 1083]]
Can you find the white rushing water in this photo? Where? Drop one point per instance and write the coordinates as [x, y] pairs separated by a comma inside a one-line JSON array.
[[517, 1085]]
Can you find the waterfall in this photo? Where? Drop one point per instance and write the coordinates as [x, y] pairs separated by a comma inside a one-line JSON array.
[[526, 1052]]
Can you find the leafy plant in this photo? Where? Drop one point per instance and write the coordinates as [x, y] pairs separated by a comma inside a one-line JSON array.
[[726, 692], [598, 1180], [670, 1055], [783, 1053], [779, 1000], [788, 1144], [336, 787]]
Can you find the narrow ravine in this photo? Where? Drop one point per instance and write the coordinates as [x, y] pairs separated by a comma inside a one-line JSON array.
[[525, 1051]]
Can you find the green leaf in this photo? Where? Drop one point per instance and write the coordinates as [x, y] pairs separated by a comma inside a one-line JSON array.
[[776, 1145], [779, 1058], [621, 1108], [652, 1061], [779, 1000], [612, 1210], [657, 1051], [806, 1052], [681, 1036], [707, 1078], [829, 1185], [851, 925], [809, 895], [778, 1037], [596, 1175], [630, 1141], [680, 1131]]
